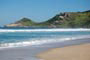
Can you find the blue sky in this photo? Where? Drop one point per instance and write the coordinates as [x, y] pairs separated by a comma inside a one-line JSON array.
[[38, 10]]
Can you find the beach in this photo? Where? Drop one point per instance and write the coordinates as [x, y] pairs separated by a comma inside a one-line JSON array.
[[44, 30], [77, 52], [31, 52]]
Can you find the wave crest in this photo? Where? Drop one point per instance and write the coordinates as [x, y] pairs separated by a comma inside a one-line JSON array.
[[39, 42], [45, 30]]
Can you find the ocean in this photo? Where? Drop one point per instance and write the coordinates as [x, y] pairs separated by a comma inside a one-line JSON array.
[[29, 37]]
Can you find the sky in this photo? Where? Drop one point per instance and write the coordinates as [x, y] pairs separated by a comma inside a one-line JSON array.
[[38, 10]]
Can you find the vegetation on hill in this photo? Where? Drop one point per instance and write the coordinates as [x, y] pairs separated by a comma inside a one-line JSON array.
[[62, 20], [26, 22]]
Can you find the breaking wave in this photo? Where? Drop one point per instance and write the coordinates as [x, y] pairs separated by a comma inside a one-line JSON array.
[[41, 30], [39, 42]]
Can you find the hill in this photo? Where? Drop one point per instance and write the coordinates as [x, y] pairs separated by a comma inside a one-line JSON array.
[[61, 20]]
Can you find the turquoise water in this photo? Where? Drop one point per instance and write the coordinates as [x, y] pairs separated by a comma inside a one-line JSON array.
[[39, 37]]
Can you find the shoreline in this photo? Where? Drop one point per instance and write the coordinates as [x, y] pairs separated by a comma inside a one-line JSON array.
[[76, 52], [30, 52]]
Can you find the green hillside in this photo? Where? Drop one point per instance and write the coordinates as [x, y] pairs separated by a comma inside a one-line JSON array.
[[62, 20], [26, 22], [70, 20]]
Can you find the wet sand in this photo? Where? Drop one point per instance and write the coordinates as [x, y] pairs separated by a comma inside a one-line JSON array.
[[77, 52]]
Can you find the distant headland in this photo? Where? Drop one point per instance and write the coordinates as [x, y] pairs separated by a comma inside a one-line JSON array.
[[61, 20]]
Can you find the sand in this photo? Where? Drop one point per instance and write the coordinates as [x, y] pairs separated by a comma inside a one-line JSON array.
[[77, 52]]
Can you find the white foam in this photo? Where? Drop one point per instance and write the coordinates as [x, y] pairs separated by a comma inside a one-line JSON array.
[[38, 42], [41, 30]]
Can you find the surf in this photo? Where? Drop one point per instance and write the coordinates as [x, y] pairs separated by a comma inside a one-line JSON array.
[[42, 30]]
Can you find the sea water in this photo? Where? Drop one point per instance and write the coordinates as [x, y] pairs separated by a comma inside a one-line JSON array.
[[30, 37]]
